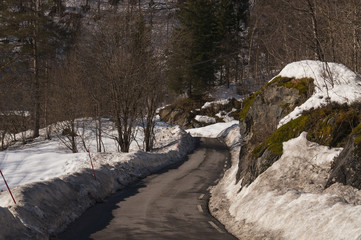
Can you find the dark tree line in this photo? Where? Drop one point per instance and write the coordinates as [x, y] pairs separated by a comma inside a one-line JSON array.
[[32, 34], [207, 42]]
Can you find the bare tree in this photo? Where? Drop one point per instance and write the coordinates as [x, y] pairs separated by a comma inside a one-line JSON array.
[[120, 46], [69, 102]]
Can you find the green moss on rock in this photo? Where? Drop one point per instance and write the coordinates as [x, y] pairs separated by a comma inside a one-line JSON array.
[[303, 85], [330, 126], [288, 131], [246, 105]]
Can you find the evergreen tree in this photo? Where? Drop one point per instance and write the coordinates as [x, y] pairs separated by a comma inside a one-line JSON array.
[[192, 62], [232, 20], [33, 37], [207, 41]]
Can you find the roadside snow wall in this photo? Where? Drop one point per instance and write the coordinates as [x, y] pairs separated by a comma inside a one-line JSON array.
[[46, 208], [288, 200]]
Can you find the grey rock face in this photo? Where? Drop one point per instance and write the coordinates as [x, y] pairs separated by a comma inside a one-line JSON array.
[[269, 107], [346, 168], [177, 116]]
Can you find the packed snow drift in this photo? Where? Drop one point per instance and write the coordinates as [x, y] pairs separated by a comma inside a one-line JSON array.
[[211, 131]]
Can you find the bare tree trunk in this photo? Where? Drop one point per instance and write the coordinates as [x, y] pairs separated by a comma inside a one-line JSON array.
[[319, 55], [36, 73]]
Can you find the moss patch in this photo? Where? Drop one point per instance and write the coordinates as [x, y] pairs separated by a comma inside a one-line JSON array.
[[304, 85], [357, 134], [246, 105], [329, 126], [248, 102], [288, 131]]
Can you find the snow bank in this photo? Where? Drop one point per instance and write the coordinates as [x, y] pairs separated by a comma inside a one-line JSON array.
[[211, 131], [226, 190], [47, 207], [42, 160], [288, 200], [333, 83], [225, 115], [11, 227]]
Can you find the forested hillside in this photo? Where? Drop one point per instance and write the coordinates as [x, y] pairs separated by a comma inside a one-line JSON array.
[[61, 59]]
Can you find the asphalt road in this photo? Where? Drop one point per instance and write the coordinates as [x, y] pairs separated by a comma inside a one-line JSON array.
[[169, 205]]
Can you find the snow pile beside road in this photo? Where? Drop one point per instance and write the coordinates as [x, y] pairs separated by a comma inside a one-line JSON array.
[[224, 192], [288, 200], [211, 131], [42, 160], [48, 207], [333, 83]]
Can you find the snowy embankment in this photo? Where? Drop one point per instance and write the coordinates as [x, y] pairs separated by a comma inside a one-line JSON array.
[[289, 199], [47, 207]]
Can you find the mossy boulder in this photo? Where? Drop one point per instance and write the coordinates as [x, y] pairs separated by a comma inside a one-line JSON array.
[[331, 126], [259, 117]]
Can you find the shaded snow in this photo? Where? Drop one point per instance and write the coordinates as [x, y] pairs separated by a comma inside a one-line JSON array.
[[217, 102], [333, 83], [225, 115]]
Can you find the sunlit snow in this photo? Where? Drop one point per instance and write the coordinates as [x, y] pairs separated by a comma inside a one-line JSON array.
[[211, 131], [333, 83], [46, 159]]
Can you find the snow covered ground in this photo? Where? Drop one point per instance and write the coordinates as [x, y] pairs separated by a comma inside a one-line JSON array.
[[288, 200], [43, 160]]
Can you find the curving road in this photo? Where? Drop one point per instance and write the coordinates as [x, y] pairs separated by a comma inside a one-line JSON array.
[[168, 205]]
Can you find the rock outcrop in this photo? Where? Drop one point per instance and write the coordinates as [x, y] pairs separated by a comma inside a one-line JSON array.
[[346, 168], [260, 116]]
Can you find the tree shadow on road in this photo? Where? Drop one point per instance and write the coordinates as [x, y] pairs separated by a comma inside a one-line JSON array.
[[99, 216]]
